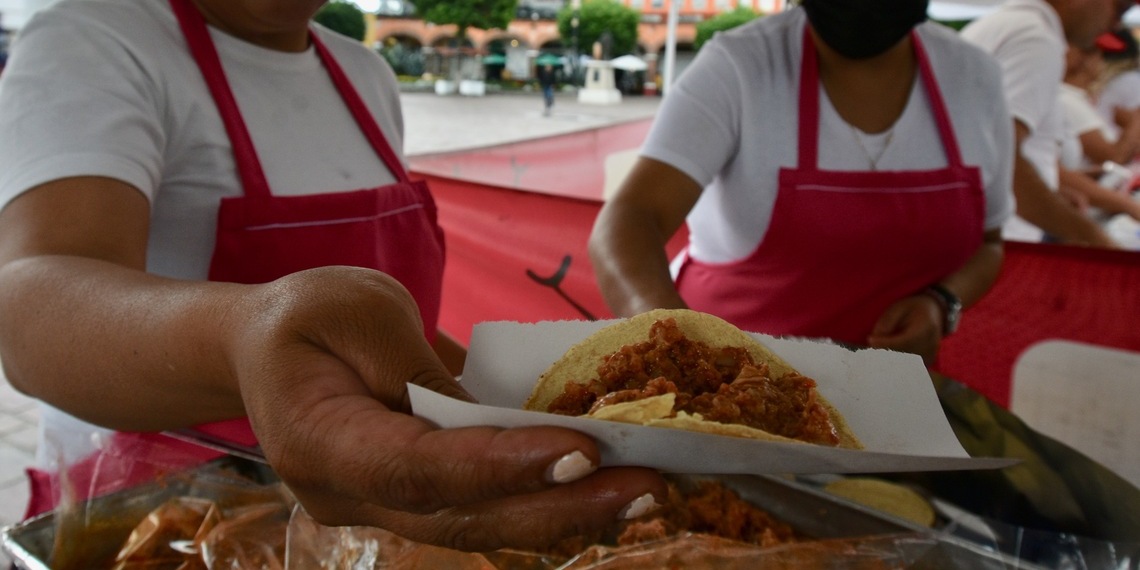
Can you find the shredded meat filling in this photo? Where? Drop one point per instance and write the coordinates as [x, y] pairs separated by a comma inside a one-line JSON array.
[[708, 508], [723, 385]]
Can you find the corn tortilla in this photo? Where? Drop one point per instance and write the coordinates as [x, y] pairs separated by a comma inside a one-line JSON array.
[[581, 361]]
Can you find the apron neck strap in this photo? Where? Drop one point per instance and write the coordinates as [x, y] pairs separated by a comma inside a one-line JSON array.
[[202, 49], [937, 104], [360, 111], [809, 104], [253, 180]]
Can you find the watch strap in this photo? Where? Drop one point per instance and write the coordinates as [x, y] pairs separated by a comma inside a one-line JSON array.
[[949, 302]]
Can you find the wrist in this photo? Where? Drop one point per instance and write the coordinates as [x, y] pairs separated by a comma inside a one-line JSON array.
[[950, 305]]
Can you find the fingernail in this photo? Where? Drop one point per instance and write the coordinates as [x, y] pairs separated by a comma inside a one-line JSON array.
[[570, 467], [642, 505]]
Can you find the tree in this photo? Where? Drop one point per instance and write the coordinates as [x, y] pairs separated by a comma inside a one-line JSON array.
[[343, 17], [595, 19], [722, 22], [464, 14]]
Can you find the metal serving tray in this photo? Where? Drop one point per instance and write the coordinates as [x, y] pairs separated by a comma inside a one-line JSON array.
[[29, 543], [810, 511]]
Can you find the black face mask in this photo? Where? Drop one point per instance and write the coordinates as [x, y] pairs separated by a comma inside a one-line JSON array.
[[860, 29]]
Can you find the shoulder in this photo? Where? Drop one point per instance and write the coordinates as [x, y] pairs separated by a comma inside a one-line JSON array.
[[1127, 81], [763, 36], [952, 56], [123, 19], [1015, 25], [85, 36], [356, 58], [755, 53]]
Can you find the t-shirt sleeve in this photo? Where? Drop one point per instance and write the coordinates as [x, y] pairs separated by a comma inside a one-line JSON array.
[[999, 189], [1032, 67], [696, 130], [74, 101]]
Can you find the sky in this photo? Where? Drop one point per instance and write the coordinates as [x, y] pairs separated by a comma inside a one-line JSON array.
[[367, 5]]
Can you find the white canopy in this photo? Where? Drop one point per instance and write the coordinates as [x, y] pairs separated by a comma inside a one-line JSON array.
[[629, 63]]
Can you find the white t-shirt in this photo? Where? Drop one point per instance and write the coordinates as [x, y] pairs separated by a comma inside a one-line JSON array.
[[1080, 117], [1121, 91], [731, 123], [1026, 38], [107, 88]]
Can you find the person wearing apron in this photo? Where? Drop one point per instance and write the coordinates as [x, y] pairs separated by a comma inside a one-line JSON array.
[[883, 246], [317, 308]]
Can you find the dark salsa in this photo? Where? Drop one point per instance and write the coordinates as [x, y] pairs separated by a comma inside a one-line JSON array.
[[722, 384]]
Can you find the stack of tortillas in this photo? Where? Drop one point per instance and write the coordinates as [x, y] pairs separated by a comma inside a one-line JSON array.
[[890, 498]]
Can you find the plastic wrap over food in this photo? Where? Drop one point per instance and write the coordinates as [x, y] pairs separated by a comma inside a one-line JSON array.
[[314, 546], [199, 520], [169, 536]]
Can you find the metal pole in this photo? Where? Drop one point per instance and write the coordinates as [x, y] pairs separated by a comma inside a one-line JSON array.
[[670, 45]]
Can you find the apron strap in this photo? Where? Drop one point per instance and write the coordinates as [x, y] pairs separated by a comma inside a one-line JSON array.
[[360, 111], [197, 36], [937, 104], [809, 105]]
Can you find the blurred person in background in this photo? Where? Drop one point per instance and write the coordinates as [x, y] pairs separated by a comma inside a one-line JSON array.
[[1029, 38], [1117, 88], [1090, 152], [844, 169], [546, 79], [206, 217]]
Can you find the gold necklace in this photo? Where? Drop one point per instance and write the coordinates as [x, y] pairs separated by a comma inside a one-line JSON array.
[[873, 160]]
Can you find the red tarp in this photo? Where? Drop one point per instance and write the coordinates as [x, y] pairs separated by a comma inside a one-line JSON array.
[[515, 214], [1045, 292], [567, 165]]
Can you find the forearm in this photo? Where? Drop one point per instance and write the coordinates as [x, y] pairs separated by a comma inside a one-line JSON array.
[[627, 248], [1121, 151], [1097, 195], [1042, 207], [116, 346], [971, 282]]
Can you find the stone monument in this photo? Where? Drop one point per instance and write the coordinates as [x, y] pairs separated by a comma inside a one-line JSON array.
[[599, 88]]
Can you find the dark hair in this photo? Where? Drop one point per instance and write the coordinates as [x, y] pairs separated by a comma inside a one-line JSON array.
[[1131, 49]]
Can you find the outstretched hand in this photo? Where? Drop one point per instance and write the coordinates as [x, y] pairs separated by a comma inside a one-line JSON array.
[[323, 365]]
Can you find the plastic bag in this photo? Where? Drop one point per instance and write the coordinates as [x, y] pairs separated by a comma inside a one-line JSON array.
[[136, 492]]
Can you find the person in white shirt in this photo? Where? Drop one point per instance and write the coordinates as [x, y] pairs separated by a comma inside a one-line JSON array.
[[206, 217], [843, 174], [1117, 88], [1028, 39], [1086, 146]]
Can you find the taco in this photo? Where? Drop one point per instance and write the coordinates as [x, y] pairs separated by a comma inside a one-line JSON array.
[[684, 369]]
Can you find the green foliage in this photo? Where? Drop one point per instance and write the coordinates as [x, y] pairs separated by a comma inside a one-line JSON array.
[[723, 21], [479, 14], [955, 25], [404, 61], [597, 17], [343, 17]]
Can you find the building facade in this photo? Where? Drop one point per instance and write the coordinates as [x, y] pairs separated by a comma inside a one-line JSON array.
[[535, 31]]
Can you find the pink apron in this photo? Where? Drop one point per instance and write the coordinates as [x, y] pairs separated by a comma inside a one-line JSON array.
[[262, 237], [843, 246]]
